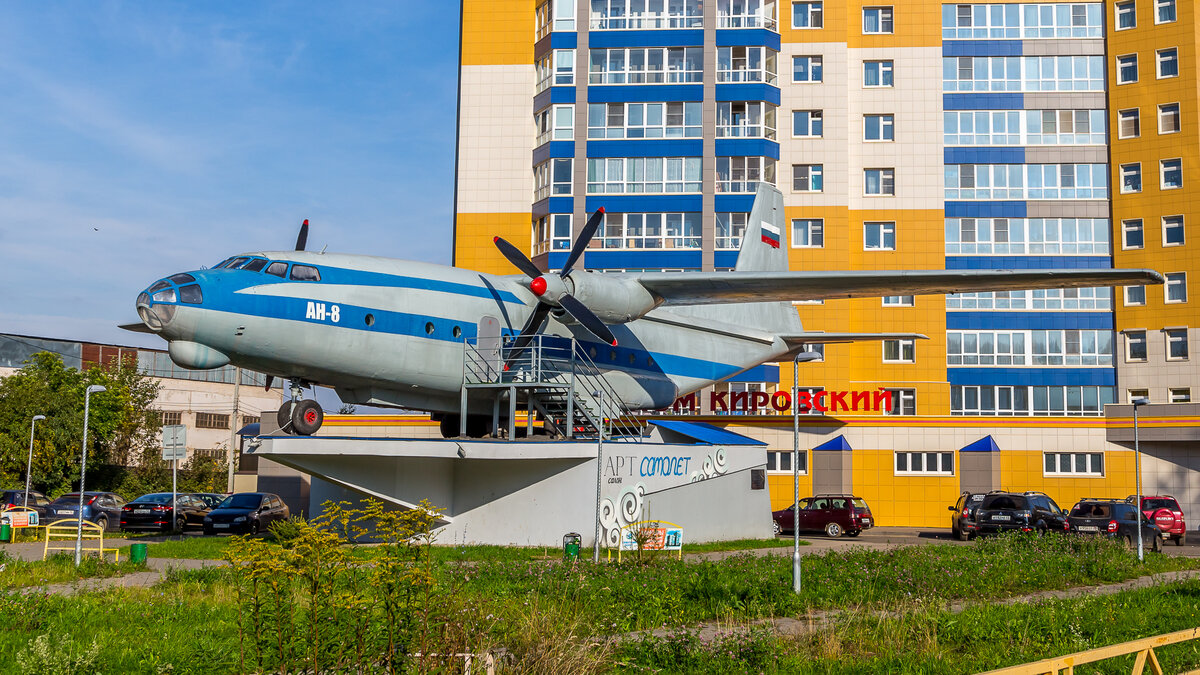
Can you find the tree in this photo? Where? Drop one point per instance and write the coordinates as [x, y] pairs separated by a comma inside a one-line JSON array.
[[122, 425]]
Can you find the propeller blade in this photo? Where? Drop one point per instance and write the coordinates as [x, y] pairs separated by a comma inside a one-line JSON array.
[[518, 259], [536, 322], [585, 238], [302, 238], [589, 320]]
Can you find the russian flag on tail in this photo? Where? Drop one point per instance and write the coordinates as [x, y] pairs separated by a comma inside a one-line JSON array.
[[770, 234]]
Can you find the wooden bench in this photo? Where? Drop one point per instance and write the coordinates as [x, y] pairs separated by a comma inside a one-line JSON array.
[[66, 529]]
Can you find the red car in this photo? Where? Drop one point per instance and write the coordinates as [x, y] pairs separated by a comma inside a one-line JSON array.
[[831, 514], [1165, 512]]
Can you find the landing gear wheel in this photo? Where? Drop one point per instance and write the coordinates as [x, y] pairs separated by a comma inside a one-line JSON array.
[[307, 417], [284, 417], [833, 530]]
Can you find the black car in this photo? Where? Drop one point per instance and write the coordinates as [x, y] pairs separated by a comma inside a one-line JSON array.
[[246, 512], [963, 524], [155, 512], [101, 508], [212, 499], [1114, 518], [37, 501], [1019, 511]]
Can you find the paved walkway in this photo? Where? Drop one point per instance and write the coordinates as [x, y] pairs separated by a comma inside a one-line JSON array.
[[158, 567]]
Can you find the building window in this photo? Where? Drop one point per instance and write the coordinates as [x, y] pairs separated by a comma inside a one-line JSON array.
[[746, 64], [809, 409], [924, 463], [1177, 344], [650, 231], [636, 175], [807, 69], [899, 300], [1022, 400], [212, 421], [1074, 464], [1072, 299], [880, 182], [552, 233], [807, 14], [878, 128], [168, 419], [1135, 346], [1127, 69], [808, 177], [1135, 296], [1168, 62], [552, 178], [1164, 11], [779, 461], [556, 68], [743, 174], [904, 402], [1170, 173], [1132, 235], [1168, 118], [1134, 394], [1176, 287], [1172, 230], [730, 227], [646, 65], [1022, 236], [556, 123], [620, 15], [986, 348], [877, 20], [1025, 181], [1180, 395], [1072, 347], [1128, 124], [807, 123], [808, 233], [899, 351], [877, 73], [645, 120], [745, 119], [1024, 127], [879, 236], [1126, 14], [1131, 177]]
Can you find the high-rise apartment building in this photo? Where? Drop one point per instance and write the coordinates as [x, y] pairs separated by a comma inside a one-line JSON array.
[[911, 134]]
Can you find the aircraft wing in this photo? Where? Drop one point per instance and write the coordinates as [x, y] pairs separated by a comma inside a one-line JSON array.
[[797, 339], [708, 288]]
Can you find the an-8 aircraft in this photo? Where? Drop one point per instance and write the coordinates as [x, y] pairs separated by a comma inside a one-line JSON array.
[[388, 332]]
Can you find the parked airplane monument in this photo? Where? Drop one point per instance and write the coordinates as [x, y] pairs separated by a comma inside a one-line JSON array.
[[576, 348]]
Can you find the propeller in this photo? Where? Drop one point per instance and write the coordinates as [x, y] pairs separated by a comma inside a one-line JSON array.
[[552, 292], [302, 238]]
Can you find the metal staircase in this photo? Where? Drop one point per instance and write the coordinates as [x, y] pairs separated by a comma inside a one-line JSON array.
[[554, 377]]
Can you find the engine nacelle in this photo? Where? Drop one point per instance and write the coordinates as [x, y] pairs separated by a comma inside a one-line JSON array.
[[612, 299]]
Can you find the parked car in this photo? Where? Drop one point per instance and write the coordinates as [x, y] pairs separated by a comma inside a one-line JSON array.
[[155, 512], [212, 499], [831, 514], [1165, 512], [248, 512], [1021, 511], [963, 524], [1114, 518], [101, 508], [37, 501]]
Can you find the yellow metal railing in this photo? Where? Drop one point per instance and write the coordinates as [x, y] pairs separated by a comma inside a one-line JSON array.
[[66, 530], [1143, 648]]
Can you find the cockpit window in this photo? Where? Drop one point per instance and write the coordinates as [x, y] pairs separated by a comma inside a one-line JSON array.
[[222, 264], [255, 265], [305, 273], [183, 279], [158, 286], [237, 262], [191, 294], [279, 269]]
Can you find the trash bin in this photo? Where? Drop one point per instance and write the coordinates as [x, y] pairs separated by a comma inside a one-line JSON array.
[[6, 533], [137, 553], [571, 541]]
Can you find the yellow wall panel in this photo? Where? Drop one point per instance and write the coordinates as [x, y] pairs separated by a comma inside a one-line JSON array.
[[497, 32], [473, 247]]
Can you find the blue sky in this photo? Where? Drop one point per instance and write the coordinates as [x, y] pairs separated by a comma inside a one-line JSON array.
[[142, 139]]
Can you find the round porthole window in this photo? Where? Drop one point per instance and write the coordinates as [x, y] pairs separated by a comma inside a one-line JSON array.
[[457, 332], [592, 352], [429, 328], [650, 361], [369, 320], [612, 355], [632, 358]]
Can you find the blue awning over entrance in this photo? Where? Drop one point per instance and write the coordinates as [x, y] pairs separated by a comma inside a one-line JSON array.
[[251, 429], [702, 432], [985, 444], [838, 443]]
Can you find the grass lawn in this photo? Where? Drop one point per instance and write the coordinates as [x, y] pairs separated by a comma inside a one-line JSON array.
[[59, 568]]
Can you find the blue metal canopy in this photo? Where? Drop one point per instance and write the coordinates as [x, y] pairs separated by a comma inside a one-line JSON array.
[[837, 443], [985, 444], [703, 432]]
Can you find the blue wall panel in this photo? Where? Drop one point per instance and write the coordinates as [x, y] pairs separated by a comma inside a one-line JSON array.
[[564, 40], [1050, 320], [734, 203], [748, 37], [1058, 375], [983, 101], [1028, 262], [763, 373], [692, 147], [747, 147], [725, 258], [982, 48], [562, 95], [607, 259], [748, 92], [645, 203], [646, 93], [983, 155], [985, 209], [598, 39]]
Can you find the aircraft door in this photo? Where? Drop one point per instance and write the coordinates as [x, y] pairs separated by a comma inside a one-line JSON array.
[[488, 344]]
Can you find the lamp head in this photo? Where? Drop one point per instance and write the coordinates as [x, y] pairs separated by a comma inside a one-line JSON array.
[[1140, 401], [96, 388], [38, 417]]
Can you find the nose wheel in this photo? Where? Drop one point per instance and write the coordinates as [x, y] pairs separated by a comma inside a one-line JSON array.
[[302, 417]]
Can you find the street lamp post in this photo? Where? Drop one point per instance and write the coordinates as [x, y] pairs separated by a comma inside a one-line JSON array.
[[599, 473], [1137, 469], [801, 357], [87, 397], [29, 464]]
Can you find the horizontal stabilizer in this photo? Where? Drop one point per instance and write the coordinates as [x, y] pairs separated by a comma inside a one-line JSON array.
[[138, 327], [709, 288]]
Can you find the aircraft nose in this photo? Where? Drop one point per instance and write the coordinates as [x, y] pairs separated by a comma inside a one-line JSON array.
[[156, 316]]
